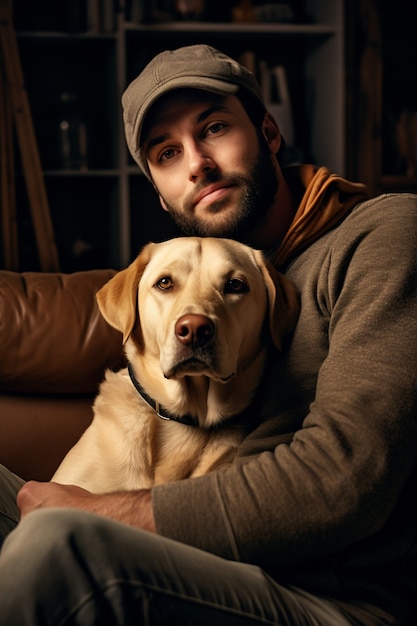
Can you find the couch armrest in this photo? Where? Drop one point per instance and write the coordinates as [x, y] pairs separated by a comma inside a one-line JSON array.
[[53, 338]]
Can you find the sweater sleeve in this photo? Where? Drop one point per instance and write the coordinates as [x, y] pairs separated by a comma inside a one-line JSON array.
[[340, 446]]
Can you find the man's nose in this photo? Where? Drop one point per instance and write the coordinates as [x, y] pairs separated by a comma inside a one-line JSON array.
[[199, 162]]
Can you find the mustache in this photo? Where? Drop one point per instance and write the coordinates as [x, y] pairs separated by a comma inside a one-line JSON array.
[[210, 178]]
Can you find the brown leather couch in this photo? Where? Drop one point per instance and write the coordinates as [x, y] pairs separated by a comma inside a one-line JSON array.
[[54, 348]]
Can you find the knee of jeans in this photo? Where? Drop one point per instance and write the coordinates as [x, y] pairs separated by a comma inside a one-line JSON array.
[[49, 530]]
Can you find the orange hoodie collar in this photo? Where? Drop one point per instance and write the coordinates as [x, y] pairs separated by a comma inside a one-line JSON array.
[[327, 199]]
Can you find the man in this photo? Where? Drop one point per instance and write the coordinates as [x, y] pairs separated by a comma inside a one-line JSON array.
[[315, 521]]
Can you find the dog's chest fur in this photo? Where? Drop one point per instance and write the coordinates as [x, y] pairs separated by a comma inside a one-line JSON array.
[[157, 450]]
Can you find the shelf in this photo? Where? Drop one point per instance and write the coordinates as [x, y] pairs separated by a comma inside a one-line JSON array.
[[106, 173], [257, 28], [47, 34], [133, 170], [397, 182]]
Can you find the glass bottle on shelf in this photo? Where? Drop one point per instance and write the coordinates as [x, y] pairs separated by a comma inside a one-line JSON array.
[[72, 131], [189, 9]]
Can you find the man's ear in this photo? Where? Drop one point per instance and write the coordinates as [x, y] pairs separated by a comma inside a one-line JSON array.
[[270, 131], [162, 202]]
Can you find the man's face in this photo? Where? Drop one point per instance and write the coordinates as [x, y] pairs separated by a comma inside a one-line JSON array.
[[215, 174]]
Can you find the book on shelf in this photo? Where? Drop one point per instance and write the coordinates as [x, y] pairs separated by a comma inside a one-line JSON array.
[[274, 85], [102, 15]]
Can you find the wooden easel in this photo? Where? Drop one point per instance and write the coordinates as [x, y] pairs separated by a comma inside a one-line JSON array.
[[15, 109]]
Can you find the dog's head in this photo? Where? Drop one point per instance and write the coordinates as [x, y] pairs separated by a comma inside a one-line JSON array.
[[199, 305]]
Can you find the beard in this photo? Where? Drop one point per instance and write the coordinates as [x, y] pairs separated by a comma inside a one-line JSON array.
[[258, 189]]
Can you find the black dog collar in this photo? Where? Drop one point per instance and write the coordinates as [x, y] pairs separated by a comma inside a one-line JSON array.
[[187, 420]]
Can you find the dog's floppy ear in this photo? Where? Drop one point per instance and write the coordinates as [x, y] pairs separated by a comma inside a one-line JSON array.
[[284, 302], [118, 299]]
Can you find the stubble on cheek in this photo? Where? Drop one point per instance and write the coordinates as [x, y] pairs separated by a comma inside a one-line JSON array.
[[218, 218]]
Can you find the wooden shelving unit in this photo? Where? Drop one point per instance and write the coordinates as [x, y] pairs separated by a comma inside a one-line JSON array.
[[382, 94], [104, 210]]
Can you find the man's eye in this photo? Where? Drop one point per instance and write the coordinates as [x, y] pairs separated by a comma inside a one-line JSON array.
[[165, 283], [167, 154], [236, 285], [215, 128]]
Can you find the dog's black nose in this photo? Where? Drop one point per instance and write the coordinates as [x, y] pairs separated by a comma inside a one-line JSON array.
[[194, 330]]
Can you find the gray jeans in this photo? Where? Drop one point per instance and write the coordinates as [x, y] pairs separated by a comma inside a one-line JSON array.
[[63, 566]]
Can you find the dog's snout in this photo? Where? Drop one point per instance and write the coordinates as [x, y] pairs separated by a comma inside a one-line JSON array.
[[194, 330]]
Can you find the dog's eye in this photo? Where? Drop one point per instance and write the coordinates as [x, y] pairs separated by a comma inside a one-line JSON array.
[[165, 283], [236, 285]]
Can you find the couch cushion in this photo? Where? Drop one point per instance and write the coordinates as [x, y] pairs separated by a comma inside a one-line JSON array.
[[37, 432], [53, 338]]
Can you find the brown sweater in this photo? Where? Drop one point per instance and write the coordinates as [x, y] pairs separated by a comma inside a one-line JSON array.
[[323, 492]]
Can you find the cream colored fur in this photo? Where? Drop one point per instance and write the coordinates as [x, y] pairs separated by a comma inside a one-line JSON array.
[[127, 446]]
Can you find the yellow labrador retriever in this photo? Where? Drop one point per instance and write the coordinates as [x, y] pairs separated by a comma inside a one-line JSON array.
[[195, 314]]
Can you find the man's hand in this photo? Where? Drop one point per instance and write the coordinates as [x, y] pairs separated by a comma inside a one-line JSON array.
[[130, 507]]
